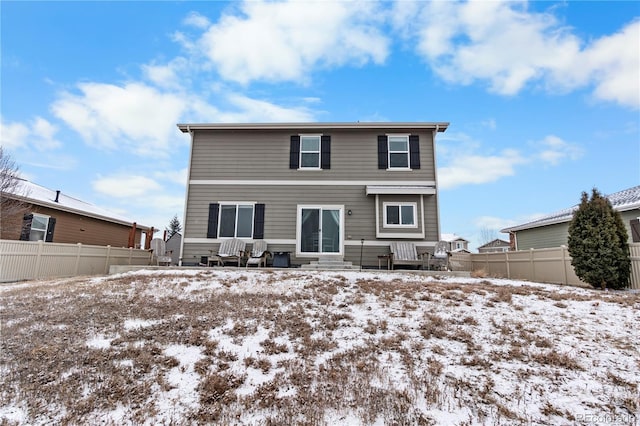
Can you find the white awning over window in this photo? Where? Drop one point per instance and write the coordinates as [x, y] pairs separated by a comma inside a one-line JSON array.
[[401, 189]]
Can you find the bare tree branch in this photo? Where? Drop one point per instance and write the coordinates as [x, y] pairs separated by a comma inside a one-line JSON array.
[[12, 206]]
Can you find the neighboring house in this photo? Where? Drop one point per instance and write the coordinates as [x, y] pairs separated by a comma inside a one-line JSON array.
[[553, 230], [172, 245], [456, 244], [495, 246], [53, 216], [314, 190]]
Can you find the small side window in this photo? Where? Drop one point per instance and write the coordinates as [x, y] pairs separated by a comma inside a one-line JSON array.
[[398, 215]]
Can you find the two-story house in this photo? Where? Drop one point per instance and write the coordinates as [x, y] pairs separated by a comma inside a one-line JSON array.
[[312, 189]]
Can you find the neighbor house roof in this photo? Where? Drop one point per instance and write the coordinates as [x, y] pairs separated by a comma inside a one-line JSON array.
[[39, 195], [495, 243], [451, 238], [439, 126], [628, 199]]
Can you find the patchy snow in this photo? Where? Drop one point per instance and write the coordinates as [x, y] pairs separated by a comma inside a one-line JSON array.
[[481, 351]]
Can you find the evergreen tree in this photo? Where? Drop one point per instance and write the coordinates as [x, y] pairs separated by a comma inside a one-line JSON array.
[[174, 227], [598, 243]]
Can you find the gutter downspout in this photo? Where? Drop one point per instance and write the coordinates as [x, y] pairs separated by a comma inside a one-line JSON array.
[[435, 170], [186, 198]]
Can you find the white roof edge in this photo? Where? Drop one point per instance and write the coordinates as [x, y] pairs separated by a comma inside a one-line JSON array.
[[401, 189], [439, 126]]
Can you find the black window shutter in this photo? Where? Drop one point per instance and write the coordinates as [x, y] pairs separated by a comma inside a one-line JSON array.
[[294, 153], [414, 151], [325, 152], [258, 222], [50, 228], [635, 230], [212, 224], [25, 233], [382, 152]]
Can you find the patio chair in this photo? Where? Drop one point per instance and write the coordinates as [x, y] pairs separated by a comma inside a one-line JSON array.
[[405, 253], [229, 251], [259, 254], [439, 260], [160, 253]]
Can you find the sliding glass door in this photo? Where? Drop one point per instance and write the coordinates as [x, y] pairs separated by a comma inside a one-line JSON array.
[[320, 229]]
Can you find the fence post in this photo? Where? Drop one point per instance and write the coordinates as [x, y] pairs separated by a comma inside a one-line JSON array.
[[106, 263], [78, 258], [506, 258], [532, 266], [39, 259], [564, 264]]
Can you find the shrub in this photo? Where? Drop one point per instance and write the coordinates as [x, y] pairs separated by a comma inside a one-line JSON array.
[[598, 243]]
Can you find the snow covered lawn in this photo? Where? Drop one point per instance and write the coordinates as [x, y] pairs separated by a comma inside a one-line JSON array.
[[298, 347]]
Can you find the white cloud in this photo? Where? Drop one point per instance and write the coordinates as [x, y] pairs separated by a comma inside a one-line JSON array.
[[175, 176], [134, 116], [13, 135], [171, 75], [39, 135], [125, 186], [554, 150], [510, 47], [615, 64], [194, 19], [283, 41], [463, 160], [478, 169], [262, 111]]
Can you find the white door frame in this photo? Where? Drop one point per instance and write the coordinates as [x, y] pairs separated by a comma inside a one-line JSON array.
[[340, 208]]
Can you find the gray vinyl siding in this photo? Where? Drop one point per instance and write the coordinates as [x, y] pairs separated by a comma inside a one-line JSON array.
[[281, 209], [543, 237], [265, 155]]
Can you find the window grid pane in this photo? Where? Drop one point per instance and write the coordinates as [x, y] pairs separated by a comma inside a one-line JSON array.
[[310, 160], [407, 215], [398, 160], [245, 222], [393, 215], [227, 221]]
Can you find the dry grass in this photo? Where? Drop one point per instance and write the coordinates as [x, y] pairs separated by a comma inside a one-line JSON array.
[[294, 348]]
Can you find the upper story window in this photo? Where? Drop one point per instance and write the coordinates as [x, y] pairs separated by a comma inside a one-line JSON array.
[[398, 152], [397, 215], [310, 152], [236, 221]]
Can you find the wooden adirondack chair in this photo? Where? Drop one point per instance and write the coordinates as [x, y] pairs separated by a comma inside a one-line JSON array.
[[440, 257], [229, 251], [159, 252], [259, 254], [405, 253]]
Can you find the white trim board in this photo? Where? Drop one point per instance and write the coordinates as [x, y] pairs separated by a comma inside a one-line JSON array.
[[393, 184]]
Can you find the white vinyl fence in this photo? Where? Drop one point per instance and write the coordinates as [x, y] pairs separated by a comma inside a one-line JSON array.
[[28, 260], [550, 265]]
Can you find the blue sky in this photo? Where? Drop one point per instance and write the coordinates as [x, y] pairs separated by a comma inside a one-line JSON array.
[[543, 98]]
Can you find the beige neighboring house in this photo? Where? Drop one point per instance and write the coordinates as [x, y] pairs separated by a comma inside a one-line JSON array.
[[553, 230], [312, 190], [495, 246], [53, 216], [456, 244]]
